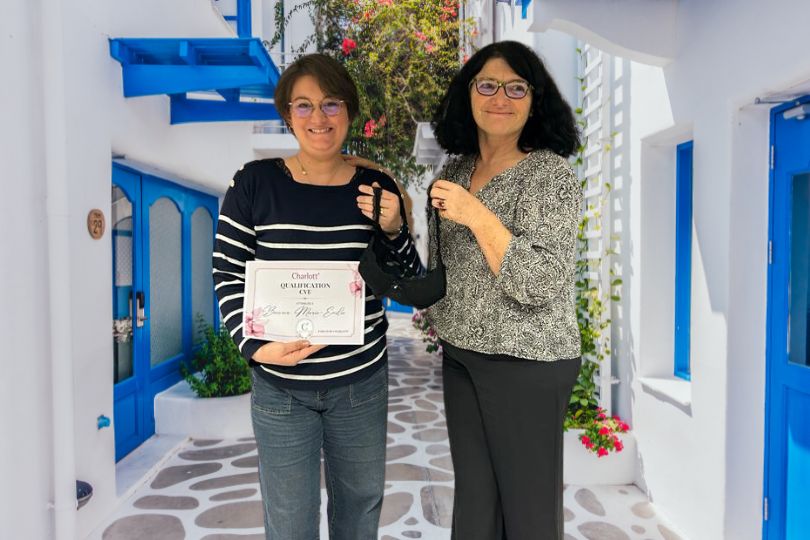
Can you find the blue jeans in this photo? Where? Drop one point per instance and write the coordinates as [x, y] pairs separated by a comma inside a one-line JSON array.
[[292, 427]]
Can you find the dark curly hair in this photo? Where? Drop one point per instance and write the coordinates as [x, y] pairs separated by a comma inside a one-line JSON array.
[[551, 123]]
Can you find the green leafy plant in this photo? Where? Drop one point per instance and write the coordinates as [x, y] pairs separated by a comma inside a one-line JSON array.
[[218, 369], [591, 302], [401, 55]]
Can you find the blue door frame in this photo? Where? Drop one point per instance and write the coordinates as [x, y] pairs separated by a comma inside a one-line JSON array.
[[128, 395], [134, 397], [787, 402]]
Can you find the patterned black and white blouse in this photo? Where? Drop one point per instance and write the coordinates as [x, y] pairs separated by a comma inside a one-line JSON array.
[[528, 310]]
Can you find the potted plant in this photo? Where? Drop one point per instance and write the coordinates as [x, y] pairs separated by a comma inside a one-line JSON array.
[[218, 369], [213, 400]]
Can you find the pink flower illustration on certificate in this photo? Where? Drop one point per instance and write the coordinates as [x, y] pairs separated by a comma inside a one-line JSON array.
[[254, 322], [356, 286]]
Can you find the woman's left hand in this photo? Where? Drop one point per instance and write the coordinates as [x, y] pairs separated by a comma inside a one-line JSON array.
[[455, 203], [390, 218]]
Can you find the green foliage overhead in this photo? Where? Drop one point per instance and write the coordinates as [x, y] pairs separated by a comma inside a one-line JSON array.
[[401, 54]]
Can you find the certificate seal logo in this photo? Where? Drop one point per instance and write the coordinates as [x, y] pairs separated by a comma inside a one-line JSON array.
[[304, 328]]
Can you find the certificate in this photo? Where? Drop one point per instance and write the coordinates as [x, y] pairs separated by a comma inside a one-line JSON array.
[[320, 301]]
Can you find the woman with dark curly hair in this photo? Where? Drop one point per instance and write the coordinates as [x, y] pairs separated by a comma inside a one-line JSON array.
[[509, 205]]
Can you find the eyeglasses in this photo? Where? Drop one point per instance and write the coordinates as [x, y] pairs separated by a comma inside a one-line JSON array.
[[516, 89], [303, 108]]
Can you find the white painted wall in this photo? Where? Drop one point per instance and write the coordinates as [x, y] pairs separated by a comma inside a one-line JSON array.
[[207, 153], [100, 122], [730, 249], [703, 463], [25, 404], [299, 27], [708, 434]]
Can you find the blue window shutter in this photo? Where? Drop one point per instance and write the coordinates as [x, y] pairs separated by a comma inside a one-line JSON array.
[[683, 259]]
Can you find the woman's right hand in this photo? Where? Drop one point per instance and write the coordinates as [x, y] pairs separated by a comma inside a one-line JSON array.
[[285, 353]]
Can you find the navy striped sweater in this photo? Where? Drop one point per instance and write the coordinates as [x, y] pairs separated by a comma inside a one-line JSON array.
[[267, 215]]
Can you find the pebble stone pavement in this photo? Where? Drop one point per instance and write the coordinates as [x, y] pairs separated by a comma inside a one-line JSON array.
[[209, 489]]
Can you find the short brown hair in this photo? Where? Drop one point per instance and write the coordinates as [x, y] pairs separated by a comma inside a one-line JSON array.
[[332, 77]]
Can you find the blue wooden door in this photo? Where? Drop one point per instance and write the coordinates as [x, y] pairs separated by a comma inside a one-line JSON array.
[[128, 376], [168, 296], [787, 467]]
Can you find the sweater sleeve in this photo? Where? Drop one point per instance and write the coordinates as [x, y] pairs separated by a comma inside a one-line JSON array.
[[234, 245], [541, 255]]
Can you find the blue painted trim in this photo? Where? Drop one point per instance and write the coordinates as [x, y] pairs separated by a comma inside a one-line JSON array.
[[185, 280], [153, 66], [129, 430], [143, 190], [391, 305], [184, 110], [769, 312], [243, 19], [683, 259], [524, 7], [782, 377]]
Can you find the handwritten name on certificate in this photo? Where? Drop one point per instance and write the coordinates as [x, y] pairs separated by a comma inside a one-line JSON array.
[[320, 301]]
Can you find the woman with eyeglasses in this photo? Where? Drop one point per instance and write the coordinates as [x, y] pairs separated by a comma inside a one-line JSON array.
[[509, 206], [310, 399]]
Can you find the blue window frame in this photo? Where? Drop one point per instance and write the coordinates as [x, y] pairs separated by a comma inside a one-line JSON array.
[[683, 258]]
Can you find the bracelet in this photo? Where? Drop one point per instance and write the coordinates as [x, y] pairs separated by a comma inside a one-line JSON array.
[[402, 229]]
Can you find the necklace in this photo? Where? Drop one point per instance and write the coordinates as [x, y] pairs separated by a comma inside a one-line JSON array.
[[331, 175], [298, 159]]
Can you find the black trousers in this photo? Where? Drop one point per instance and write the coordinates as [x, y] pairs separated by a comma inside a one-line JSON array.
[[504, 419]]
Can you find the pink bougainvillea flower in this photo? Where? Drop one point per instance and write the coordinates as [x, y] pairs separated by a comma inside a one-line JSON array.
[[601, 416], [602, 451], [348, 46], [585, 440], [420, 35], [604, 430], [618, 445], [369, 128], [449, 10]]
